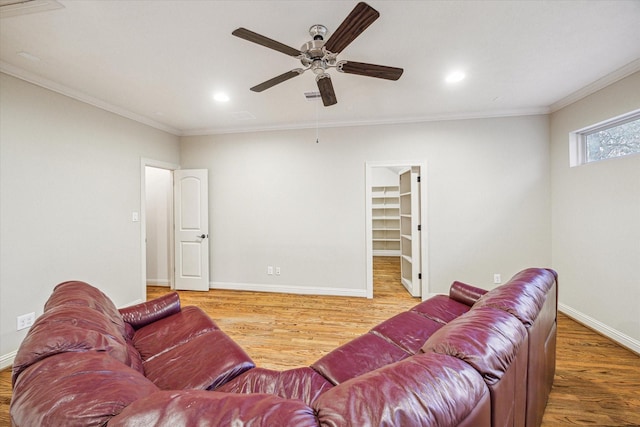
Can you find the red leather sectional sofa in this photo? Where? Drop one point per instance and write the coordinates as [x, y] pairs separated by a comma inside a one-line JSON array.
[[472, 358]]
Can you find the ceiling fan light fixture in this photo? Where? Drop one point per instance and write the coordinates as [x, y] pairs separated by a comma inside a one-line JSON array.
[[318, 67], [317, 32]]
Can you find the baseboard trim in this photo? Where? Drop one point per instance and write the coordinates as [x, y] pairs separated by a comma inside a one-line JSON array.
[[609, 332], [158, 282], [6, 360], [283, 289]]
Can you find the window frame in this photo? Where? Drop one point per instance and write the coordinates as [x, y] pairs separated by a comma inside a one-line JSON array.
[[578, 138]]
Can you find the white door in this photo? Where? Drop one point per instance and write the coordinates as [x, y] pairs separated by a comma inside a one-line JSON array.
[[191, 228], [410, 231]]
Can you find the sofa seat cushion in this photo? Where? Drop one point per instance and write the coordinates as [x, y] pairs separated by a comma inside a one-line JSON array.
[[301, 383], [214, 409], [408, 330], [70, 328], [441, 309], [75, 389], [360, 355], [204, 362], [171, 331], [423, 390]]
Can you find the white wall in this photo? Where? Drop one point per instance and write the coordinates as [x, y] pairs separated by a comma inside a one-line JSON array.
[[159, 204], [596, 220], [278, 198], [384, 177], [69, 181]]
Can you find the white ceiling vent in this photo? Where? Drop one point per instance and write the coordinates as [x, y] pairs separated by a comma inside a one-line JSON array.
[[312, 96], [23, 7]]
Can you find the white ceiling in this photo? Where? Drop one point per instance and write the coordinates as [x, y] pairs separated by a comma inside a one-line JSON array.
[[160, 61]]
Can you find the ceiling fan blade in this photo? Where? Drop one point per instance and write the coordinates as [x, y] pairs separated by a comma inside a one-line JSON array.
[[370, 70], [277, 80], [326, 90], [249, 35], [358, 20]]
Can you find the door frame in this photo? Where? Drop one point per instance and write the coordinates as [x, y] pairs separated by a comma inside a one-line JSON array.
[[144, 163], [424, 261]]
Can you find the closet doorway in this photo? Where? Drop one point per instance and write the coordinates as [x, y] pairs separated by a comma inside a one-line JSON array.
[[396, 221], [156, 219], [159, 226]]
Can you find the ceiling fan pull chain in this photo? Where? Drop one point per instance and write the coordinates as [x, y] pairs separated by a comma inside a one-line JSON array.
[[317, 129]]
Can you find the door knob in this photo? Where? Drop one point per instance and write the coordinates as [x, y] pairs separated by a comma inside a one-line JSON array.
[[203, 236]]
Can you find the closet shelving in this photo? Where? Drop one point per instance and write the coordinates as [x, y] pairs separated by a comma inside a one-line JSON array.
[[386, 220]]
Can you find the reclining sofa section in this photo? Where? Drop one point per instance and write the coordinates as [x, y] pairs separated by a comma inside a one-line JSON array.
[[472, 358]]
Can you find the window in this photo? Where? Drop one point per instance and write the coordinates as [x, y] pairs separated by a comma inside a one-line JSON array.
[[617, 137]]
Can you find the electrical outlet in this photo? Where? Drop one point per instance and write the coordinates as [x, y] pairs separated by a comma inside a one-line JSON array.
[[277, 271], [497, 279], [269, 269], [24, 321]]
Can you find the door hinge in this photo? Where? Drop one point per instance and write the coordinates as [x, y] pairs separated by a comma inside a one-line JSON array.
[[418, 178], [419, 227], [420, 276]]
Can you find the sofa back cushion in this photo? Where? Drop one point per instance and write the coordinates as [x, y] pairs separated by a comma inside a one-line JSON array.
[[77, 318], [495, 344], [523, 295], [82, 294], [73, 328], [423, 390], [212, 409], [486, 338], [75, 389], [532, 296]]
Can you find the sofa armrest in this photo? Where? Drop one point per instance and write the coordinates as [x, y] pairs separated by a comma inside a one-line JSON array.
[[466, 294], [144, 313]]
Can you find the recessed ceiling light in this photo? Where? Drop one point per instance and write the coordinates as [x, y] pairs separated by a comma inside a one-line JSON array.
[[455, 77], [221, 97]]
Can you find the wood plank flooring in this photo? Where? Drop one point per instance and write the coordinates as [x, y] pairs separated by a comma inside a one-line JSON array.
[[597, 382]]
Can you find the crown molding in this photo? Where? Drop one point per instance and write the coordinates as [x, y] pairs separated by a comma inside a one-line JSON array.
[[10, 8], [393, 121], [601, 83], [83, 97]]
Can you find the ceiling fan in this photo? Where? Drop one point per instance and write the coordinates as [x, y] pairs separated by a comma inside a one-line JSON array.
[[319, 55]]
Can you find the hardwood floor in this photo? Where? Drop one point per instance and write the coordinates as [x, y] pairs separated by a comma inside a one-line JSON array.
[[597, 382]]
